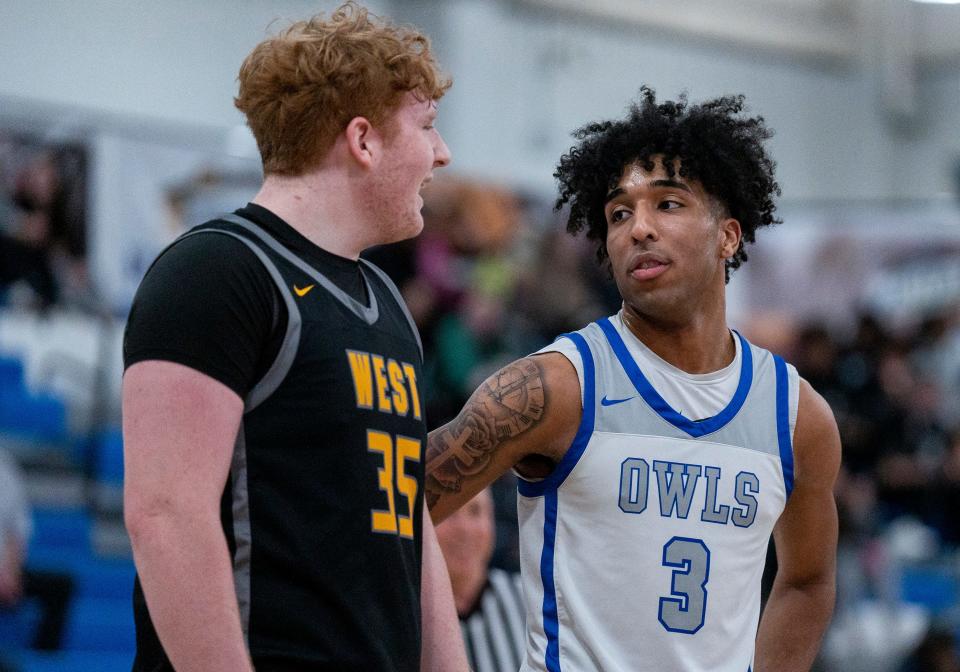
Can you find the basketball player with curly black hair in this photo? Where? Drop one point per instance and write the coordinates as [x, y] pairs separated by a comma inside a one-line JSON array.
[[658, 449]]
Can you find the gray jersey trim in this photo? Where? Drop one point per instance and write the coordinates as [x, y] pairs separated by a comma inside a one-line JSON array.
[[400, 302], [240, 506], [291, 341], [369, 314], [241, 531]]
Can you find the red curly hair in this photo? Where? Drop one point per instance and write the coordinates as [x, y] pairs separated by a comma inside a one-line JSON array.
[[301, 88]]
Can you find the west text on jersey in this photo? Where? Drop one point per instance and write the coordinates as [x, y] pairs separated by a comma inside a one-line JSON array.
[[383, 383]]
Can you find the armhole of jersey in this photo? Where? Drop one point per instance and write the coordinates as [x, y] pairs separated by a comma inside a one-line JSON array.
[[584, 431], [794, 399], [291, 341], [784, 403], [399, 299], [567, 348]]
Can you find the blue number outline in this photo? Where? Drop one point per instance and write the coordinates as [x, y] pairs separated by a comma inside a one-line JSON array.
[[682, 599]]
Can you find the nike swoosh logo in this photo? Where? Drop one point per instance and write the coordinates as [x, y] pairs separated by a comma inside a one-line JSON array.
[[302, 292], [611, 402]]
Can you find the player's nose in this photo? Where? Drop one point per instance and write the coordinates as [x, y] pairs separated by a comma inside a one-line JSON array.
[[644, 225], [441, 153]]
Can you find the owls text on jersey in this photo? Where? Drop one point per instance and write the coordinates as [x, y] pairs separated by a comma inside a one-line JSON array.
[[645, 547]]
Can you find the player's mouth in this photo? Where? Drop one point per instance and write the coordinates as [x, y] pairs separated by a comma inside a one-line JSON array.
[[423, 186], [648, 266]]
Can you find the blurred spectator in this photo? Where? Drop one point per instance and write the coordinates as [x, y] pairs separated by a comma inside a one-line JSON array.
[[458, 278], [554, 295], [42, 219], [488, 600], [936, 653], [26, 262], [946, 494], [16, 581]]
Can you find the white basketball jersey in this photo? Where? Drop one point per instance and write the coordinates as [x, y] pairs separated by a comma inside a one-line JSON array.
[[644, 549]]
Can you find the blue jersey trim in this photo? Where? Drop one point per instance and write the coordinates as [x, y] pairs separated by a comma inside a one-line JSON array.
[[663, 409], [783, 422], [551, 623], [584, 431]]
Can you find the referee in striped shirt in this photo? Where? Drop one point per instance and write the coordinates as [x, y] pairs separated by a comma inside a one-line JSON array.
[[488, 600]]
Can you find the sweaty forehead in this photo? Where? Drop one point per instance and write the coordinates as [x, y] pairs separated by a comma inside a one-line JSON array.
[[635, 174]]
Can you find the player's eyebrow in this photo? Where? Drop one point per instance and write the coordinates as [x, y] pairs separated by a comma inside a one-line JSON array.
[[663, 184], [612, 195], [674, 184]]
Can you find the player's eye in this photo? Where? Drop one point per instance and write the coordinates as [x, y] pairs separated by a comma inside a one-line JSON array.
[[619, 215], [668, 204]]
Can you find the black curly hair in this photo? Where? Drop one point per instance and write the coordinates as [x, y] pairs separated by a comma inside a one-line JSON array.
[[712, 142]]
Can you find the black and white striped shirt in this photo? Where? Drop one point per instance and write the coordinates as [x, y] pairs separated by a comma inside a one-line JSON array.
[[494, 632]]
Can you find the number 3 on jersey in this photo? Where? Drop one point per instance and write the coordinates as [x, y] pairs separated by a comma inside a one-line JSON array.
[[389, 521], [686, 609]]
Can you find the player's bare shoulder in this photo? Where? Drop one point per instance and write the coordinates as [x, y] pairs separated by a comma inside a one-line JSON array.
[[528, 411]]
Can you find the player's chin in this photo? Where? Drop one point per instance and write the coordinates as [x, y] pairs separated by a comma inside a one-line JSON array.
[[414, 224], [409, 225]]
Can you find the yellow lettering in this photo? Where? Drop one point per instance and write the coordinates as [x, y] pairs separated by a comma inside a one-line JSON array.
[[384, 521], [378, 371], [414, 394], [362, 381], [401, 404], [407, 449]]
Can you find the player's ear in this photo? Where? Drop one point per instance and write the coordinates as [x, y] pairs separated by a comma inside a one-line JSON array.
[[363, 141], [730, 236]]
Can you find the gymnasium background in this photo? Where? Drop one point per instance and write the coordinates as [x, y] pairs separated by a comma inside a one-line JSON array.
[[117, 132]]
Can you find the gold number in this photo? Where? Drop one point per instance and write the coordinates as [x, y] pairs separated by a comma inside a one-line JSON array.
[[383, 521], [390, 521], [407, 449]]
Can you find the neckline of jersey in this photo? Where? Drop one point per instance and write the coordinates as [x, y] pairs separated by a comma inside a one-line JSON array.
[[273, 224], [695, 428], [666, 368]]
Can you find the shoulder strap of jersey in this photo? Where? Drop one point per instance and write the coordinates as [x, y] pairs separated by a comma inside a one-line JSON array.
[[291, 341]]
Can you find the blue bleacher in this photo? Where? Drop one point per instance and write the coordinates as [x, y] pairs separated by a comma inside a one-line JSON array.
[[73, 661], [11, 372], [108, 457], [38, 416], [99, 632], [18, 626], [100, 624], [936, 588], [99, 578], [60, 540]]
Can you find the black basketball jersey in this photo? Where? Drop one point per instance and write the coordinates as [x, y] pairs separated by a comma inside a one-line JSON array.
[[322, 509]]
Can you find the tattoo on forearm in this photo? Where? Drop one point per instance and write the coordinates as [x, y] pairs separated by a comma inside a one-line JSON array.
[[506, 405]]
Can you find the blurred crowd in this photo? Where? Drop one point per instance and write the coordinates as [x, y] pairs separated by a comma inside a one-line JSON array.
[[488, 281], [896, 397]]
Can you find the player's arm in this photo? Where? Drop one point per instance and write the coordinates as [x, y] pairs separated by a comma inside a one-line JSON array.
[[524, 415], [442, 647], [179, 429], [801, 601]]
